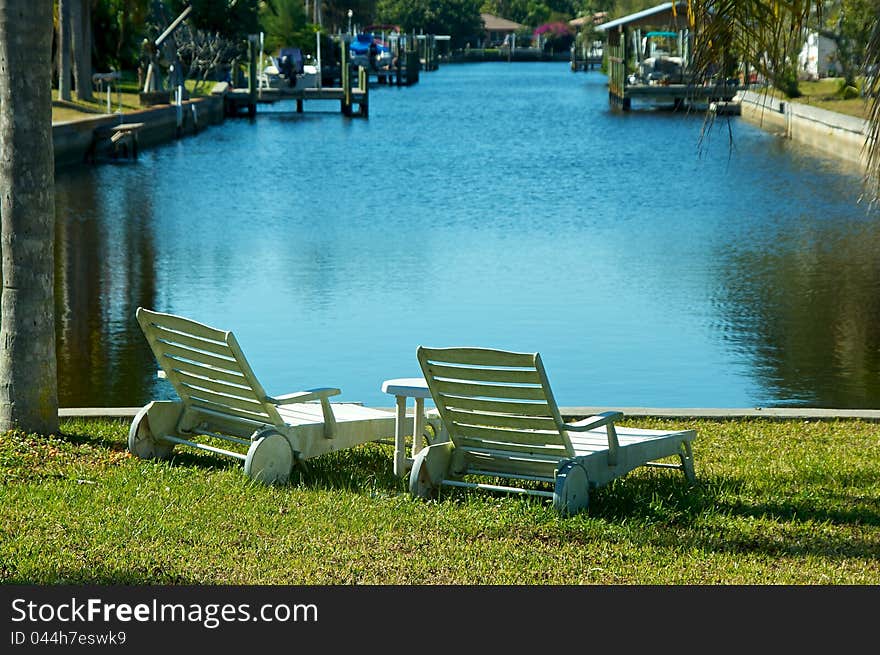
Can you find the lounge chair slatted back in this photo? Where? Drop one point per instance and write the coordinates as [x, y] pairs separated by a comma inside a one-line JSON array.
[[498, 409], [207, 368]]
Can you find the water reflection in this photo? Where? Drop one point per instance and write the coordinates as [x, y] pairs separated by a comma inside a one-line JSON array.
[[105, 269], [805, 311], [647, 271]]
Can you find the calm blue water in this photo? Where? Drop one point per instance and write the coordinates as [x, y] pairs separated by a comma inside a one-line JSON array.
[[499, 205]]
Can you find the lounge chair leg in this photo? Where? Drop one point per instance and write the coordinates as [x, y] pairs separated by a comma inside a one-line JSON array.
[[572, 492], [269, 459], [687, 462], [429, 469], [152, 421]]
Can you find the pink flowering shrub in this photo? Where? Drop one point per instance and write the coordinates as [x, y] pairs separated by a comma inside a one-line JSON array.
[[556, 36]]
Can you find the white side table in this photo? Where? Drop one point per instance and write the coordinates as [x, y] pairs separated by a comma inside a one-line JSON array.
[[401, 389]]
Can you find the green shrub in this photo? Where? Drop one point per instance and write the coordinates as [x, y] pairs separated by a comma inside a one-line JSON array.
[[847, 91], [787, 82]]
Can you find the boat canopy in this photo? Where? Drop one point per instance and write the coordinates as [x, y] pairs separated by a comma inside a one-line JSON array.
[[360, 45]]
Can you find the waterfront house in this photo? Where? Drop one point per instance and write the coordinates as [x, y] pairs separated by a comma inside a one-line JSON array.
[[818, 57], [496, 30]]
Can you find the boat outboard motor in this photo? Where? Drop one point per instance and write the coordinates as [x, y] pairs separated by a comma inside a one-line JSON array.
[[374, 55], [285, 67]]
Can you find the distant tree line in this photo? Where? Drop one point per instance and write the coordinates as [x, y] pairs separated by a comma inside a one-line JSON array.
[[107, 35], [32, 36]]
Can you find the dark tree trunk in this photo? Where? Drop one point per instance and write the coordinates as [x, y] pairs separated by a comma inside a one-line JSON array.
[[64, 50], [82, 48], [87, 43], [28, 378]]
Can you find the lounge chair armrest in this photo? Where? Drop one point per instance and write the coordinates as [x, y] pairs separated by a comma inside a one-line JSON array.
[[304, 396], [323, 395], [592, 422], [607, 419]]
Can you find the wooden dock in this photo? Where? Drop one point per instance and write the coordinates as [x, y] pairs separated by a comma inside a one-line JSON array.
[[238, 101], [356, 96], [404, 73], [353, 92], [675, 95], [588, 63]]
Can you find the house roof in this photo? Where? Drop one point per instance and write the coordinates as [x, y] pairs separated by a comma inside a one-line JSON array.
[[648, 16], [496, 24]]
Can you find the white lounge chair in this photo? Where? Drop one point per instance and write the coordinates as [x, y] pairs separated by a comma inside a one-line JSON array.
[[221, 398], [503, 422]]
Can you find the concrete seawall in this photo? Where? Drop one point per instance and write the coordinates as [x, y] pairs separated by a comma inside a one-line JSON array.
[[712, 413], [73, 139], [834, 134]]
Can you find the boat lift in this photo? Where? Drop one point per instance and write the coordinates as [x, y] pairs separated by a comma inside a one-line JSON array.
[[153, 81]]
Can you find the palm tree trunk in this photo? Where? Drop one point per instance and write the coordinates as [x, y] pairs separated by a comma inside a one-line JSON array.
[[76, 39], [64, 51], [87, 44], [28, 378], [82, 49]]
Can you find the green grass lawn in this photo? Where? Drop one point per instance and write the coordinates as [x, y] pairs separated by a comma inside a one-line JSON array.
[[777, 502], [825, 94]]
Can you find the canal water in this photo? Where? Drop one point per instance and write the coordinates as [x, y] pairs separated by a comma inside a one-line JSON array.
[[498, 205]]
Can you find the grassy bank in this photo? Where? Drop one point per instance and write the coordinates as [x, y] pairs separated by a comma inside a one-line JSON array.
[[125, 98], [788, 502], [826, 94]]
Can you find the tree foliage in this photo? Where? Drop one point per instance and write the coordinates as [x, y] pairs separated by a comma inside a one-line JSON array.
[[536, 12], [768, 34], [284, 23], [849, 23], [460, 19], [334, 15], [202, 54], [118, 32], [233, 19]]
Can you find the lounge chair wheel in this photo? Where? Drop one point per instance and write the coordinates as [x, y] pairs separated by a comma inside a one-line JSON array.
[[420, 483], [269, 459], [572, 492], [142, 442]]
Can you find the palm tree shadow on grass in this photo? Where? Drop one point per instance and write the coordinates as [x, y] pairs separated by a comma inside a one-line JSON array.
[[661, 495], [678, 512], [180, 456], [91, 575], [653, 497], [87, 438], [364, 469], [708, 515]]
